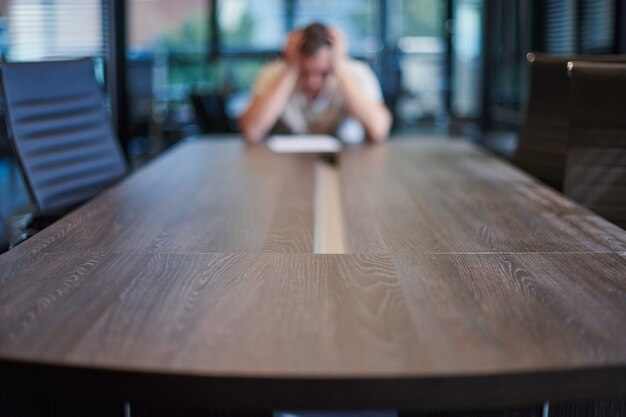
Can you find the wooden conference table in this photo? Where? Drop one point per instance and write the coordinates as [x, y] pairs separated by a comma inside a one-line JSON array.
[[464, 283]]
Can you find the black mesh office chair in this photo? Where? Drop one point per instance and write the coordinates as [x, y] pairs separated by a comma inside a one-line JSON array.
[[595, 170], [4, 238], [58, 125]]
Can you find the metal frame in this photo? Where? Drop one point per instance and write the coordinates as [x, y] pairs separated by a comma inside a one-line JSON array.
[[116, 38]]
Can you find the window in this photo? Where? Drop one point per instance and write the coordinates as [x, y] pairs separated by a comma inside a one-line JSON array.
[[418, 26], [559, 26], [175, 50], [49, 29], [597, 26], [509, 44], [173, 36], [579, 26], [466, 56], [167, 57], [36, 30], [251, 24], [357, 18]]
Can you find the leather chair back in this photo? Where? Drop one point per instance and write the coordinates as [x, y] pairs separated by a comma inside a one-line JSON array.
[[542, 142], [57, 121], [595, 173]]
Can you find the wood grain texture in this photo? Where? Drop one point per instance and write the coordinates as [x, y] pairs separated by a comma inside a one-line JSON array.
[[204, 197], [443, 321], [318, 315], [213, 313], [546, 309], [447, 197], [194, 281]]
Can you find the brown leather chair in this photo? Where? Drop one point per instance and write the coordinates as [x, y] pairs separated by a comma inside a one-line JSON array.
[[595, 172], [543, 137]]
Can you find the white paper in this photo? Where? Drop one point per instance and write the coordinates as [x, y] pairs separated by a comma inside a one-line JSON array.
[[303, 144]]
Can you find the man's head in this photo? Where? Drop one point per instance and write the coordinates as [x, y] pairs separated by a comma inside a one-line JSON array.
[[316, 58]]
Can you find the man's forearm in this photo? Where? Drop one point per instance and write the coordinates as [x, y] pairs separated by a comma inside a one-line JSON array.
[[373, 115], [265, 110]]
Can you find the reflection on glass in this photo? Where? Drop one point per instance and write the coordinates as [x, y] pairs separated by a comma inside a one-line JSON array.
[[417, 26], [166, 60], [466, 41], [508, 66], [358, 19], [249, 24], [560, 19], [597, 26]]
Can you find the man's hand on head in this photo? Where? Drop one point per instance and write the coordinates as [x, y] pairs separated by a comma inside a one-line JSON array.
[[291, 52], [339, 47]]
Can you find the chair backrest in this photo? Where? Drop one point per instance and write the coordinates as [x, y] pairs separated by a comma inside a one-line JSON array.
[[595, 171], [543, 137], [58, 124], [139, 80], [210, 113], [4, 237]]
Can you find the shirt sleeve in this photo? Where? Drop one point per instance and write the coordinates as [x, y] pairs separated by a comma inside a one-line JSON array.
[[367, 80]]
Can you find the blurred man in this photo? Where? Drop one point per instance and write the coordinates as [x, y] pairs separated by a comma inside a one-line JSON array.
[[317, 89]]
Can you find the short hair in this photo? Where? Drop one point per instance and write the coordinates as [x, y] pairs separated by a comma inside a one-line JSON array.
[[314, 37]]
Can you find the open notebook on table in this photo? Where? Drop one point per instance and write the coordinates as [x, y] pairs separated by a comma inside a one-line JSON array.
[[304, 144]]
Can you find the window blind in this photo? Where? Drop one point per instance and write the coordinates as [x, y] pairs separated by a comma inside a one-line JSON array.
[[560, 24], [49, 29], [597, 26]]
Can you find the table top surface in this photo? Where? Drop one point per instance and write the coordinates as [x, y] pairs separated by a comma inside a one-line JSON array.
[[201, 264]]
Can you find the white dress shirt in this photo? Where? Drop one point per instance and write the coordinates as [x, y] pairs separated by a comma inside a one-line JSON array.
[[326, 113]]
